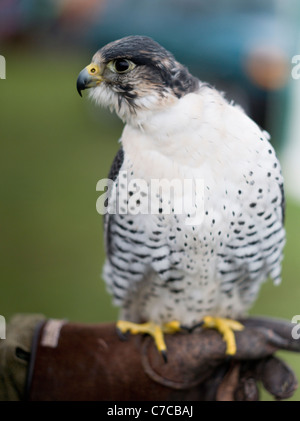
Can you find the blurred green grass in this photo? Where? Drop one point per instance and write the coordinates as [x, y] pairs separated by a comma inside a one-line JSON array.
[[54, 148]]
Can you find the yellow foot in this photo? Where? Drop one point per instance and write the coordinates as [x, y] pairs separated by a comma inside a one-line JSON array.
[[226, 327], [150, 328]]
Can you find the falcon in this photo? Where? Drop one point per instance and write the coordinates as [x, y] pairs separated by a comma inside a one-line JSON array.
[[169, 270]]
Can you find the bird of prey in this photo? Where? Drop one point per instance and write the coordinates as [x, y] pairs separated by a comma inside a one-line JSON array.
[[166, 269]]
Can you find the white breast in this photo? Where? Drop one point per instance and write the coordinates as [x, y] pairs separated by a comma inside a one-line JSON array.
[[202, 137]]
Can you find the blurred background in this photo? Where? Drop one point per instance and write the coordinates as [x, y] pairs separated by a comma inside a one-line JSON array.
[[55, 146]]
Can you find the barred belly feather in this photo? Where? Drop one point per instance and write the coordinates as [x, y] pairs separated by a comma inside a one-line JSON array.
[[159, 268]]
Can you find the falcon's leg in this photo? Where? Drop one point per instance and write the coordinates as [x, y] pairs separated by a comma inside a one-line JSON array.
[[150, 328], [226, 327]]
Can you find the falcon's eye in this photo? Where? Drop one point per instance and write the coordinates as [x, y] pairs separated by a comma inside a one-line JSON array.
[[121, 65]]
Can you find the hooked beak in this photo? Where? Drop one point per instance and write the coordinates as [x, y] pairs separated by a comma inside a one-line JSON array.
[[90, 76]]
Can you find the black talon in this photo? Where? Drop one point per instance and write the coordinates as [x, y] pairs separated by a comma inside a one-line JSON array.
[[186, 328], [192, 328], [228, 359], [200, 324], [122, 336], [164, 355]]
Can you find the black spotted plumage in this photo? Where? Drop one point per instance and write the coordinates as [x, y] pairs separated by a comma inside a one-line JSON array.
[[113, 174], [163, 265], [116, 165]]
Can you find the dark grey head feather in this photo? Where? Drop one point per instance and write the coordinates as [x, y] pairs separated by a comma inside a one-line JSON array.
[[164, 70], [138, 48]]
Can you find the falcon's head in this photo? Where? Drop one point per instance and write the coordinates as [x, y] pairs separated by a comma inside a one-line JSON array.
[[133, 75]]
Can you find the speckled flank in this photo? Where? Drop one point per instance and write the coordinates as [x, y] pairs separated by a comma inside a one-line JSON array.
[[159, 267]]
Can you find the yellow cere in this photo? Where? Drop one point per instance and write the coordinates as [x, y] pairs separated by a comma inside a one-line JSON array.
[[93, 69]]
